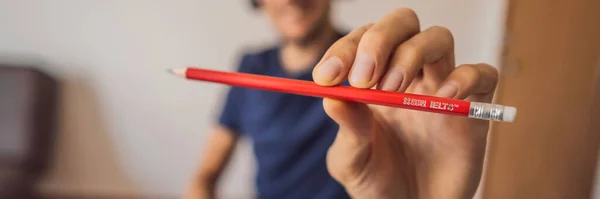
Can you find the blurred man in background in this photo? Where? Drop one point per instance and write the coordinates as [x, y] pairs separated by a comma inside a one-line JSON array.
[[290, 133], [376, 151]]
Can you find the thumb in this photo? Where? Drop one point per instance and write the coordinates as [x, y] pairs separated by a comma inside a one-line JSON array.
[[349, 152]]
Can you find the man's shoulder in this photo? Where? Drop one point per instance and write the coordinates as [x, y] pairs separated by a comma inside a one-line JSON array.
[[258, 61], [261, 52]]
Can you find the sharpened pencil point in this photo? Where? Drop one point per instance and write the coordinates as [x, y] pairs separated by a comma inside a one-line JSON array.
[[177, 71]]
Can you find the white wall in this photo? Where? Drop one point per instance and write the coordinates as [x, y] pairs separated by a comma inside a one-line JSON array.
[[127, 126]]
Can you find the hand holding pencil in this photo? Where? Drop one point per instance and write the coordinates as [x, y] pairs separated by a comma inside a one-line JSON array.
[[383, 148], [418, 153]]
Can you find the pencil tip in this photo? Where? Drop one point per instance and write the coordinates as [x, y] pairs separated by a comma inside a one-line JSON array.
[[177, 71]]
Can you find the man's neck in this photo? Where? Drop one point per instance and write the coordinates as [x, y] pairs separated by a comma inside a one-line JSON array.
[[298, 57]]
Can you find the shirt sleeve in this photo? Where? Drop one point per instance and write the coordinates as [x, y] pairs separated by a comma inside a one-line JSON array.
[[231, 113]]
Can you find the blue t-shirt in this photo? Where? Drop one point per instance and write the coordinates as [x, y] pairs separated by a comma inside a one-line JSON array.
[[290, 134]]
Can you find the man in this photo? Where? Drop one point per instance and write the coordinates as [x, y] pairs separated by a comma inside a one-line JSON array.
[[290, 133], [378, 152]]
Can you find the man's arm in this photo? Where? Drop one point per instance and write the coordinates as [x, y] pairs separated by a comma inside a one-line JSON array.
[[215, 159]]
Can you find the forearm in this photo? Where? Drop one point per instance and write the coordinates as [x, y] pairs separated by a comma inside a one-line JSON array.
[[214, 160], [201, 189]]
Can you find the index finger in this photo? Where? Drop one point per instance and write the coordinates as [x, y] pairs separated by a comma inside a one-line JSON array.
[[378, 43], [334, 66]]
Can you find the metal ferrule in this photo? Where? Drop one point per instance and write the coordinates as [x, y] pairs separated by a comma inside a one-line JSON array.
[[486, 111]]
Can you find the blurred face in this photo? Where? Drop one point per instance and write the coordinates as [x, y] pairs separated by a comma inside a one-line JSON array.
[[297, 20]]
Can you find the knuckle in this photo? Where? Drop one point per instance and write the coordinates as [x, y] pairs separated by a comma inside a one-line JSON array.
[[329, 106], [441, 29], [408, 17], [493, 71], [342, 175], [469, 74], [469, 71], [410, 56], [353, 141], [339, 169], [356, 34], [491, 74], [345, 43], [367, 26], [376, 35], [411, 50], [444, 33], [494, 79], [407, 12]]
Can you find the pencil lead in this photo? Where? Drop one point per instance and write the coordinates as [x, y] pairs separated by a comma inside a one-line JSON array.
[[177, 71]]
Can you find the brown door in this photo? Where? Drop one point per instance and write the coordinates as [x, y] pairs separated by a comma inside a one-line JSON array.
[[551, 74]]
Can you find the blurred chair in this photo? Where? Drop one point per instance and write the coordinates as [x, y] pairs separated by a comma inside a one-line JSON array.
[[28, 105]]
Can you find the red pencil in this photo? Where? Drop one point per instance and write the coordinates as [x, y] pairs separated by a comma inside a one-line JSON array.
[[477, 110]]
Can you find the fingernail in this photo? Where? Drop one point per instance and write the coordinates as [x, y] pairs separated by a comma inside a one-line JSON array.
[[448, 90], [362, 70], [329, 70], [393, 81]]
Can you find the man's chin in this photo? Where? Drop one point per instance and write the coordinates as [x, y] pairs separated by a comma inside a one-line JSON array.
[[298, 38], [305, 35]]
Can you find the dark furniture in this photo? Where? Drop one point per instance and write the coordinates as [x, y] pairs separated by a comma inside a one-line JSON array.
[[28, 106]]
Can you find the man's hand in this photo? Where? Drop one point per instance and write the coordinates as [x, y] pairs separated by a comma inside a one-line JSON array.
[[382, 152], [200, 191], [215, 158]]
